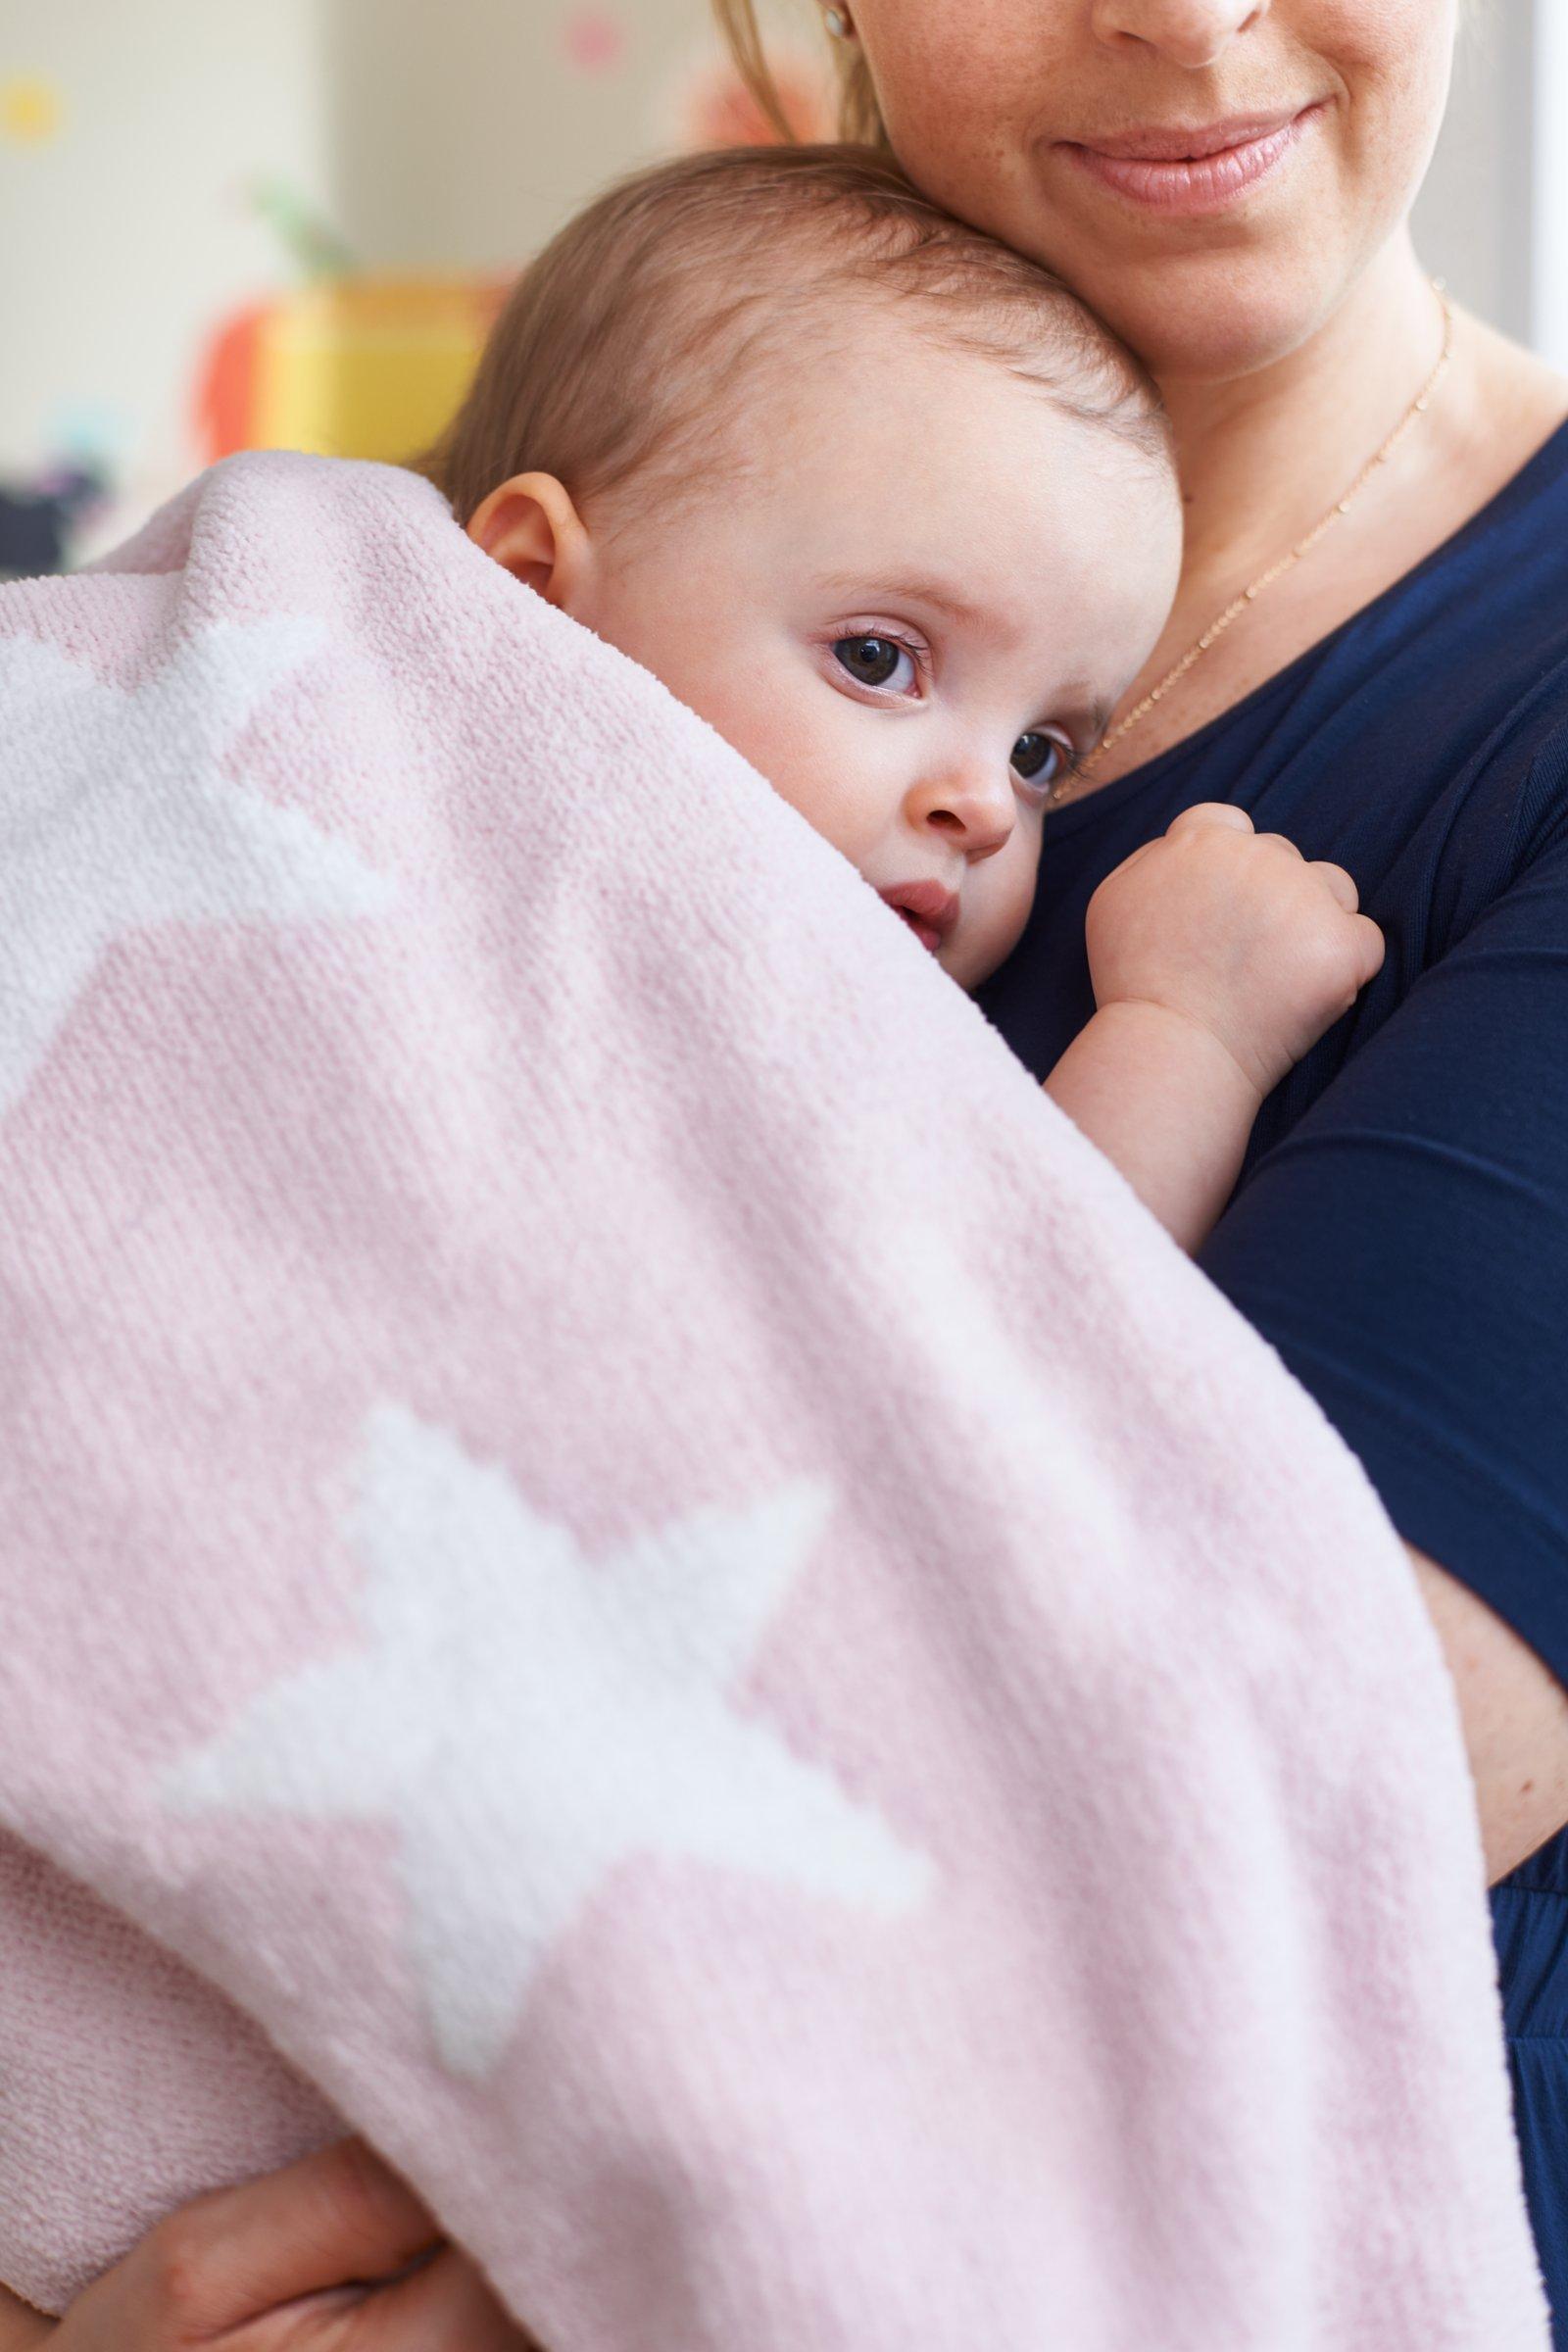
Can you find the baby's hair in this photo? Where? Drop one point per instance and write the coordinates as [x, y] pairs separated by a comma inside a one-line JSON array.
[[623, 346]]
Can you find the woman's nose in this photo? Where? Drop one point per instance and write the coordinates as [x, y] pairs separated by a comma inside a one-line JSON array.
[[1190, 32], [976, 811]]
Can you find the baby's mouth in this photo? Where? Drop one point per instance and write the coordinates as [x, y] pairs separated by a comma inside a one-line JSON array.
[[926, 933], [929, 909]]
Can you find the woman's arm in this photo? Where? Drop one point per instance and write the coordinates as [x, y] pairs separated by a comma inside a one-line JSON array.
[[21, 2326], [1405, 1250], [1192, 945], [332, 2254], [1515, 1716]]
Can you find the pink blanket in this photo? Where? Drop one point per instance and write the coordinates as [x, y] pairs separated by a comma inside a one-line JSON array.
[[624, 1561]]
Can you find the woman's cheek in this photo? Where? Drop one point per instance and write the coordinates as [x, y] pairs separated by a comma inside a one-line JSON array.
[[956, 85], [1396, 60]]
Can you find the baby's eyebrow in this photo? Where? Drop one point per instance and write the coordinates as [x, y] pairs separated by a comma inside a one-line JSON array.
[[1096, 717], [943, 596]]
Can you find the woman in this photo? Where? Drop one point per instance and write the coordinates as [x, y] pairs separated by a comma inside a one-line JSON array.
[[1370, 654]]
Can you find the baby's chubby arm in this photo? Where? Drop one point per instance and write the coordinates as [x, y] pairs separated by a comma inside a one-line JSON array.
[[1218, 956]]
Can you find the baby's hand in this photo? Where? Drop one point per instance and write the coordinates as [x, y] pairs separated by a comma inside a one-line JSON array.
[[1234, 930]]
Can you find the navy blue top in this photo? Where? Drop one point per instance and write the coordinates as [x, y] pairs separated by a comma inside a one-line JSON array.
[[1400, 1229]]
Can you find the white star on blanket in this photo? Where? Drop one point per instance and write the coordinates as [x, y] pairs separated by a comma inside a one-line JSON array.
[[531, 1719], [117, 813]]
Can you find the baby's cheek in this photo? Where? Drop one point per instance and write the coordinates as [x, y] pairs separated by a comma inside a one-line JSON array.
[[1001, 915], [753, 724], [766, 728]]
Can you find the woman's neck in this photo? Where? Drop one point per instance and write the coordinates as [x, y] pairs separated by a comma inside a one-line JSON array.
[[1265, 458], [1263, 455]]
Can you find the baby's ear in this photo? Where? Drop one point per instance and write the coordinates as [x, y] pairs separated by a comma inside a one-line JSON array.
[[534, 530]]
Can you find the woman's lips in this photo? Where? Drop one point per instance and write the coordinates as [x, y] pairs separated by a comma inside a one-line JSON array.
[[1200, 170]]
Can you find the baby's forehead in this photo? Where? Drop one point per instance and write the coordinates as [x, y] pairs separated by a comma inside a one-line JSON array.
[[857, 374], [882, 426], [906, 481]]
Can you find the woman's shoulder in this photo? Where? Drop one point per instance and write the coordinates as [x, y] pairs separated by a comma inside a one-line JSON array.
[[1425, 744], [1455, 680], [1505, 454], [1463, 656], [1488, 614], [1500, 579]]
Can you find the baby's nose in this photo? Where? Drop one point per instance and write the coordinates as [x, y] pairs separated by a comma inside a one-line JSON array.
[[975, 807]]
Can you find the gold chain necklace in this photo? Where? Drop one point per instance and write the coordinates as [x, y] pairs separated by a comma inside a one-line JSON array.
[[1238, 604]]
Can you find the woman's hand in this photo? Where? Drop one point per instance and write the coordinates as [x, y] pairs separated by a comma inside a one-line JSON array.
[[1234, 931], [315, 2258]]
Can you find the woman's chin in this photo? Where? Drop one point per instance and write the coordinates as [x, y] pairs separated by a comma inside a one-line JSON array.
[[1213, 318]]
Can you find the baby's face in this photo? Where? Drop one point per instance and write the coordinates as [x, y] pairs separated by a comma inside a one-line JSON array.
[[911, 606]]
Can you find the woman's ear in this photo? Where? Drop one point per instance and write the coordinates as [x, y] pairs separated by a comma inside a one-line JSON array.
[[532, 529]]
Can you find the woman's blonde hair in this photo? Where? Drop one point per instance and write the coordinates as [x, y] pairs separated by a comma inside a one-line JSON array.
[[634, 340], [860, 122]]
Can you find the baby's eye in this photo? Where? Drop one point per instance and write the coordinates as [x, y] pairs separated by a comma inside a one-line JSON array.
[[1039, 758], [875, 661]]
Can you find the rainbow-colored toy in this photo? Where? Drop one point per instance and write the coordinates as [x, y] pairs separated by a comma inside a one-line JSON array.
[[345, 367]]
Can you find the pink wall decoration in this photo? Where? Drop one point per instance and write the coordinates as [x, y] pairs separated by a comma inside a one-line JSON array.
[[593, 40]]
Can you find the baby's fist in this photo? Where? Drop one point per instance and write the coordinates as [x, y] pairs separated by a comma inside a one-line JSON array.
[[1235, 930]]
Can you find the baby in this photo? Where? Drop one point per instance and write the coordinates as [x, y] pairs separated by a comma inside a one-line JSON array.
[[888, 507]]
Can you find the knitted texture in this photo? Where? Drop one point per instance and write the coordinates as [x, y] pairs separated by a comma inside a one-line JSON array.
[[617, 1537]]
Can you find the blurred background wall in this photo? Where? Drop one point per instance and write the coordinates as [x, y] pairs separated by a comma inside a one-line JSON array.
[[188, 186]]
